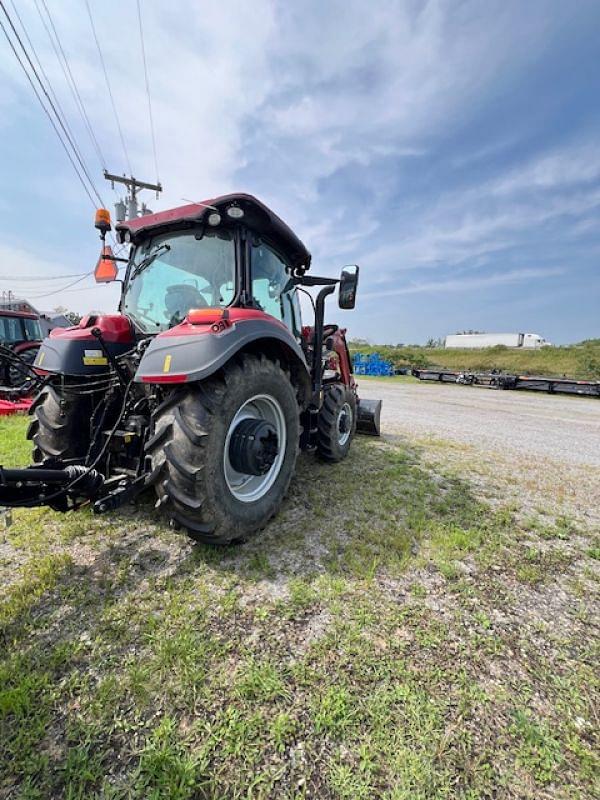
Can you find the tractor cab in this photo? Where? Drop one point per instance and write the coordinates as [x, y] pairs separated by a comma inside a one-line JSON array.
[[227, 257], [228, 252]]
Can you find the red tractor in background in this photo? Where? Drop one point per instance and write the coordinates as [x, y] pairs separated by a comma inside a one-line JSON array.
[[20, 335], [205, 385]]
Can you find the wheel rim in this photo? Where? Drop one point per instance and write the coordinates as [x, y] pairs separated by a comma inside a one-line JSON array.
[[249, 488], [344, 424]]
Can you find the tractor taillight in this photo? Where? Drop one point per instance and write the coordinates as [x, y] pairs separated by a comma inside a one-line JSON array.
[[164, 378], [207, 316]]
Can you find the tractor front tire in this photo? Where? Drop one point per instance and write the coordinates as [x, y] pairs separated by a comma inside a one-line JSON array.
[[190, 450], [337, 422]]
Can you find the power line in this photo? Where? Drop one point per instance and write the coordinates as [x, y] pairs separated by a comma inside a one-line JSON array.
[[40, 65], [48, 98], [110, 94], [63, 288], [45, 110], [139, 11], [66, 289], [39, 277], [60, 114], [71, 83]]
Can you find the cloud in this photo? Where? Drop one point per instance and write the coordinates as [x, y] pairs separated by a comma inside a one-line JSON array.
[[468, 284], [406, 137]]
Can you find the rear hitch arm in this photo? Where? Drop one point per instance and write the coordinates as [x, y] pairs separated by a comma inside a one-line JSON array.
[[58, 486]]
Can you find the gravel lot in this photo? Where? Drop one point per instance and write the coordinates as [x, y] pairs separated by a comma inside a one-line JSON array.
[[565, 429]]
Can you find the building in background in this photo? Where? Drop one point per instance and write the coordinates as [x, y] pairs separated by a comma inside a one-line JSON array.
[[529, 341], [48, 319]]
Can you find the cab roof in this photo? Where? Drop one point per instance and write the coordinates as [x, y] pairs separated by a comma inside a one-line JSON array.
[[7, 312], [257, 216]]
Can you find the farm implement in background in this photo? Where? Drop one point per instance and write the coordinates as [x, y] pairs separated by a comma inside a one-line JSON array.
[[20, 340], [500, 380], [15, 398], [13, 406]]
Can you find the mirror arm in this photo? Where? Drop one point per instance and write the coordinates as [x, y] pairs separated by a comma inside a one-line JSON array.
[[314, 280], [114, 258]]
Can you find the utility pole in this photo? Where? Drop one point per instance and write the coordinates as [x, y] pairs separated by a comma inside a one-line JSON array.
[[130, 210], [9, 301]]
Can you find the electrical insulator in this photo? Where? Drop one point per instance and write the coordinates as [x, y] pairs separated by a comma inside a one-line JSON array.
[[120, 210]]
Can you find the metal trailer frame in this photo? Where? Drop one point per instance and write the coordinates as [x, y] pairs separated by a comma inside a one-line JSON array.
[[501, 380]]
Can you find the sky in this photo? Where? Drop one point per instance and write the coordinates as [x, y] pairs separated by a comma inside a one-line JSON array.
[[451, 149]]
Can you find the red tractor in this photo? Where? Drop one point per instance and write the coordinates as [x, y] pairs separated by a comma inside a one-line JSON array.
[[205, 385], [20, 340]]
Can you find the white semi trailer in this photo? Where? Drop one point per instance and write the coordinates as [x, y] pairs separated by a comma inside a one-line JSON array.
[[478, 340]]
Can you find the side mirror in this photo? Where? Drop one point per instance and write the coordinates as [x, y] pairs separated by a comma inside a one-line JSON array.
[[348, 286]]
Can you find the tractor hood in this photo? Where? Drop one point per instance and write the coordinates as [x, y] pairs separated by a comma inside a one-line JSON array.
[[256, 216]]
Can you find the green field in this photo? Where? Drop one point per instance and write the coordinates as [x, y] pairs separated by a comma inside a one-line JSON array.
[[391, 634], [574, 361]]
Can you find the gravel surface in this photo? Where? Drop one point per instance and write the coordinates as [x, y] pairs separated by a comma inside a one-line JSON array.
[[564, 429]]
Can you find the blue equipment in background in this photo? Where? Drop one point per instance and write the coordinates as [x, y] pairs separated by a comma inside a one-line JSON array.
[[372, 364]]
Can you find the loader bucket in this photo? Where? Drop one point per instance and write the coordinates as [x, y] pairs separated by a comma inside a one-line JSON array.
[[369, 413]]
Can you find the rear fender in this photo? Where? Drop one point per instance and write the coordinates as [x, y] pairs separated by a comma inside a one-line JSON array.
[[191, 353], [23, 347]]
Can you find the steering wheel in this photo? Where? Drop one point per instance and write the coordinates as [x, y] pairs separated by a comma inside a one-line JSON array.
[[143, 315], [179, 299]]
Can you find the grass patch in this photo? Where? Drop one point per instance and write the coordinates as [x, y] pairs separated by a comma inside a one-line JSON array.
[[15, 449], [538, 749], [365, 645], [36, 578]]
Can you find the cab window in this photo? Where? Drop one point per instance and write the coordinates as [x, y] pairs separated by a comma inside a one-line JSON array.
[[185, 272], [11, 330], [33, 331], [272, 290]]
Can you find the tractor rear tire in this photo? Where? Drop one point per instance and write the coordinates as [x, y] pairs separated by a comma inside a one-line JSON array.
[[18, 374], [60, 427], [190, 451], [337, 422]]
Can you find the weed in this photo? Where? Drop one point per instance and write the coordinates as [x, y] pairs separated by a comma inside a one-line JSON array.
[[334, 711], [538, 749], [259, 680]]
